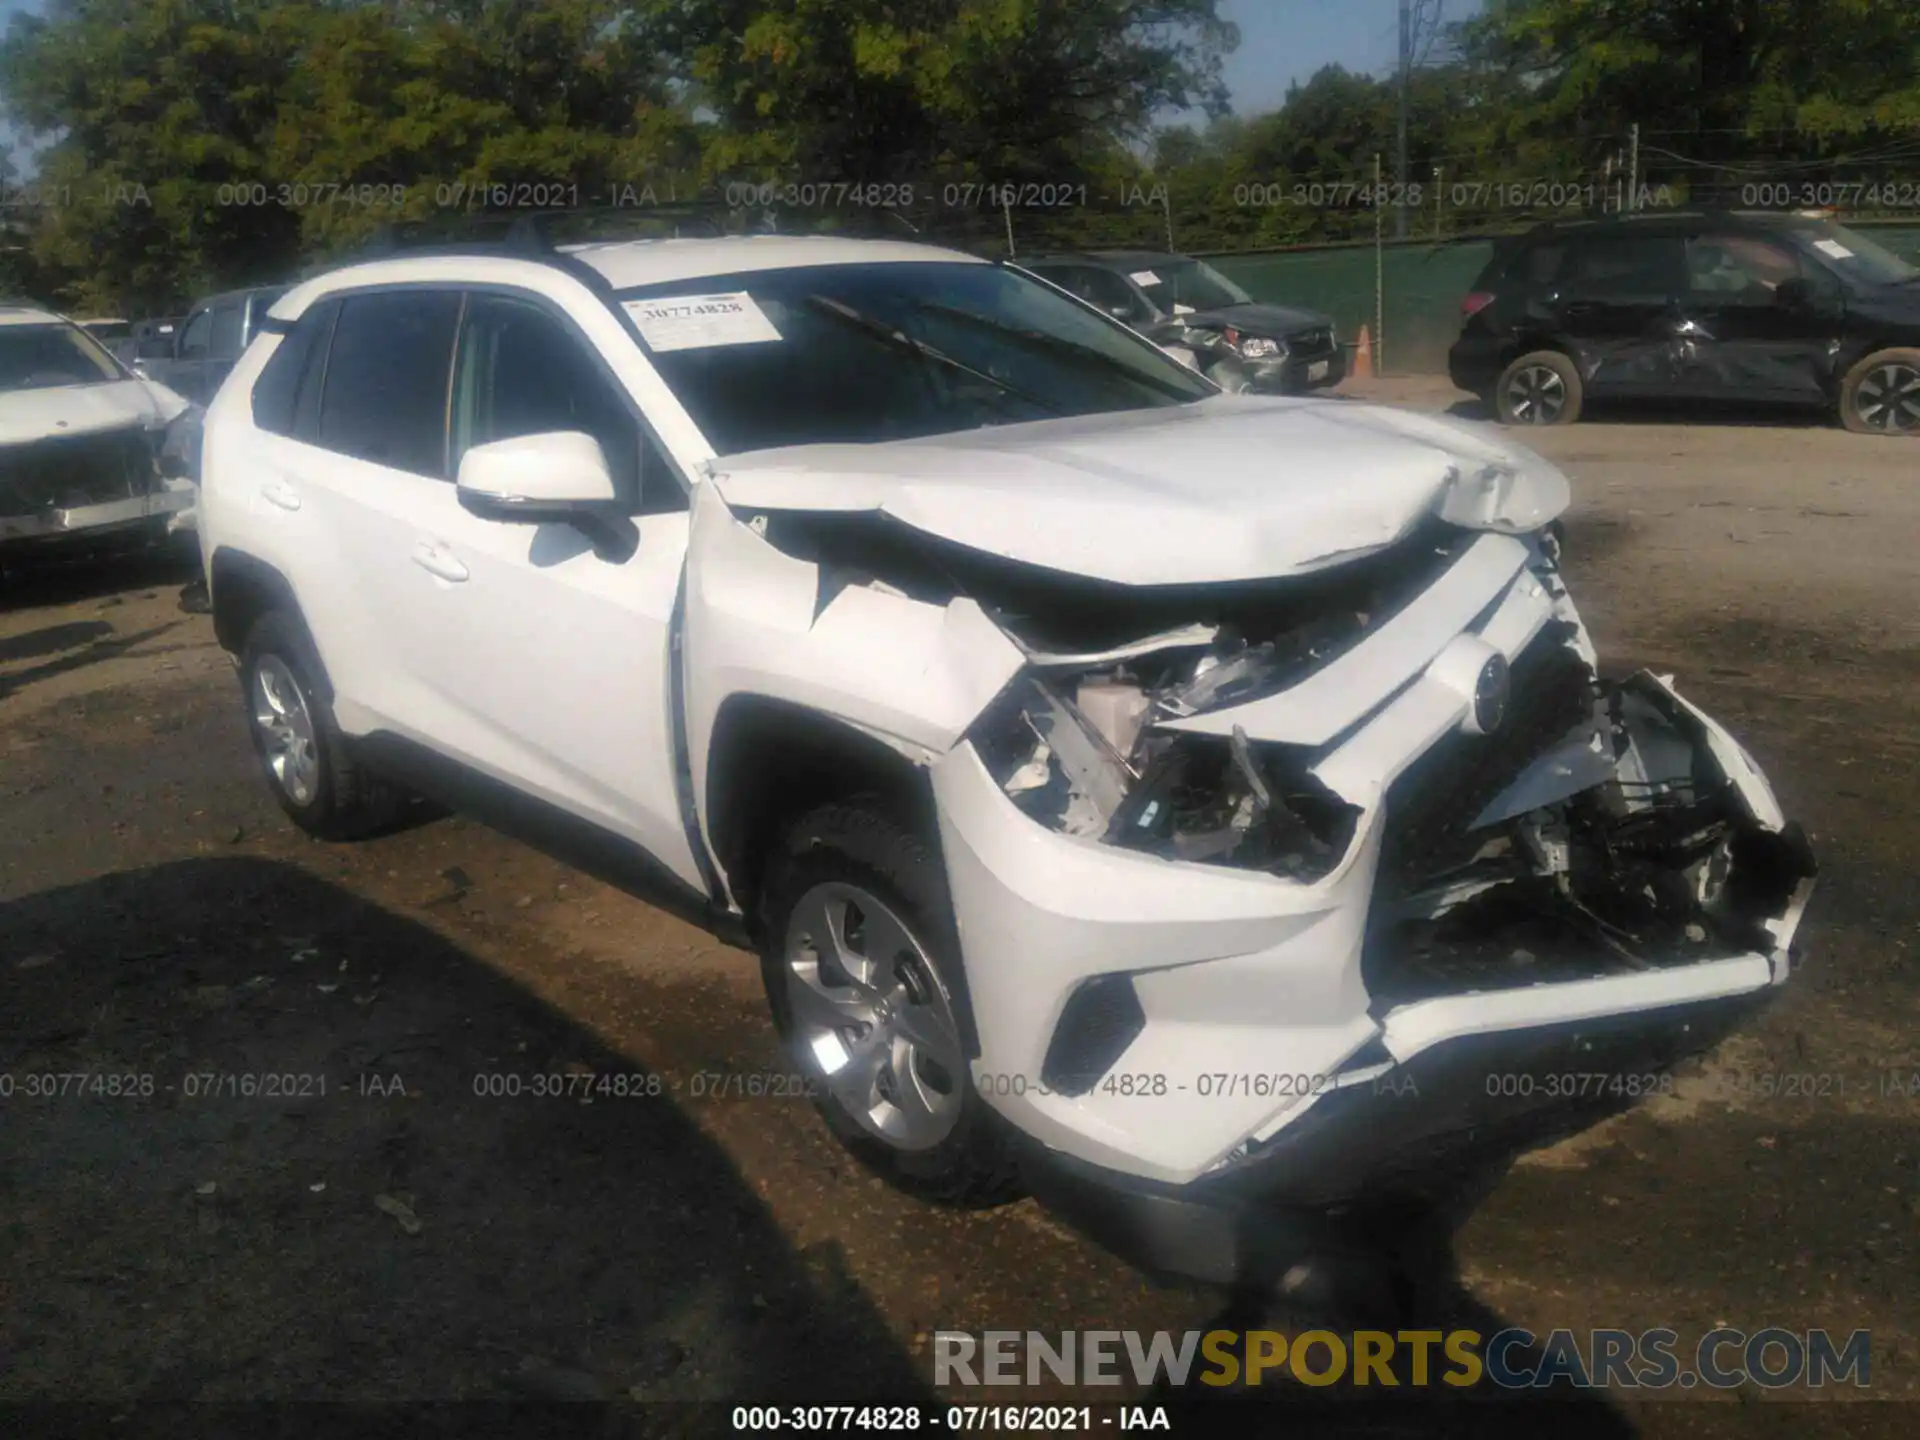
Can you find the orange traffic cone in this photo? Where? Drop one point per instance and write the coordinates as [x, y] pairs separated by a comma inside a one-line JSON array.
[[1362, 368]]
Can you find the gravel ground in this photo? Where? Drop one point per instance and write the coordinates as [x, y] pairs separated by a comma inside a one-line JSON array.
[[406, 1236]]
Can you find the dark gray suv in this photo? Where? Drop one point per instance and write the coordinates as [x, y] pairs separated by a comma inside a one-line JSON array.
[[1185, 305], [1699, 306]]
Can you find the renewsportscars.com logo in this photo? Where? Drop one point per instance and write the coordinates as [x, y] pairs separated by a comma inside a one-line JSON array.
[[1773, 1358]]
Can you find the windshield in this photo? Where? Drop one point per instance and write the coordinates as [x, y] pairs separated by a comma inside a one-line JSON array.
[[853, 354], [1191, 283], [35, 357], [1855, 256]]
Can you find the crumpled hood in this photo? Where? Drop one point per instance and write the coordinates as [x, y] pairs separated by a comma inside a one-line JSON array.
[[62, 410], [1228, 488]]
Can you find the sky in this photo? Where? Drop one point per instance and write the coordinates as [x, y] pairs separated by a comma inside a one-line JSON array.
[[1280, 41], [1286, 40]]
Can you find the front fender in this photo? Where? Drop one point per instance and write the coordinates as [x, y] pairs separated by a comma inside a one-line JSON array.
[[911, 674]]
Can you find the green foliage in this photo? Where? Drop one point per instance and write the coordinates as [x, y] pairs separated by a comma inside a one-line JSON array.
[[176, 129]]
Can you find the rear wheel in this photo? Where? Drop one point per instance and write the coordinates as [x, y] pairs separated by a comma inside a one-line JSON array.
[[861, 963], [304, 756], [1542, 388], [1881, 395]]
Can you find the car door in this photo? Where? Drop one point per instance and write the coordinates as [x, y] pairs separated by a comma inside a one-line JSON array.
[[342, 501], [1616, 305], [1745, 336], [548, 658]]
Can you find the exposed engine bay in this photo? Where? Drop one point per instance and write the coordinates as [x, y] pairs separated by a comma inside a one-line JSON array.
[[1592, 832]]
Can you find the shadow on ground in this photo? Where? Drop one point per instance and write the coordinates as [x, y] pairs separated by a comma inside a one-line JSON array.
[[305, 1188], [28, 581]]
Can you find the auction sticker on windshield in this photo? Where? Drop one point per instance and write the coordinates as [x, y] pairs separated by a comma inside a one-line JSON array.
[[695, 322], [1833, 248], [1144, 277]]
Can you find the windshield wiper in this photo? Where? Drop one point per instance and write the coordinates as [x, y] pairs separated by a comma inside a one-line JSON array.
[[1055, 345], [900, 340]]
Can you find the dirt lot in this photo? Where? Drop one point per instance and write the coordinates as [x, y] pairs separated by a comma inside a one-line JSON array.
[[405, 1236]]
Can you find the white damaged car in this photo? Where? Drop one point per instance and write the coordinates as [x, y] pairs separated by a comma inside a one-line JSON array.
[[80, 441], [1201, 809]]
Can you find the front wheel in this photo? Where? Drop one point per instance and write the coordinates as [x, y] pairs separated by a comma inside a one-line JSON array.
[[304, 756], [1881, 394], [1542, 388], [861, 962]]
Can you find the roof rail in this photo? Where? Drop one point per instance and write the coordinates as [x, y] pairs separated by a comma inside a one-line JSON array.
[[536, 234]]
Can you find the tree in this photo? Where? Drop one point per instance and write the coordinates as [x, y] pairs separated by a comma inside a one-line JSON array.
[[249, 130], [206, 143], [1593, 67], [871, 90]]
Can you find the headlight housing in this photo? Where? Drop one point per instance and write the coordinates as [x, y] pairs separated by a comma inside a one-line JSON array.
[[1260, 347]]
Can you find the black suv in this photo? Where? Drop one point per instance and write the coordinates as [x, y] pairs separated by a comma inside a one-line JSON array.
[[1190, 309], [1701, 305]]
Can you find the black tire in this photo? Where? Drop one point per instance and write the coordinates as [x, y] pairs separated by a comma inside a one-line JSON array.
[[1542, 387], [342, 801], [860, 843], [1879, 395]]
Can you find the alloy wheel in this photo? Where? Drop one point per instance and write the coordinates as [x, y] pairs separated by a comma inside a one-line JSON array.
[[285, 727], [1888, 398], [870, 1012], [1536, 395]]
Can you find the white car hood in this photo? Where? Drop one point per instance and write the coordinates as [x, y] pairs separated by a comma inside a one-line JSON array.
[[1229, 488], [62, 410]]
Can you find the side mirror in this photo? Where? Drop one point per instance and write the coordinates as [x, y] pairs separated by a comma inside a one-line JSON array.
[[560, 476], [1120, 312], [536, 478]]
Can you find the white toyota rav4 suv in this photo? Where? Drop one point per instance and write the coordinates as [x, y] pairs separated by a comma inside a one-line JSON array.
[[1202, 810]]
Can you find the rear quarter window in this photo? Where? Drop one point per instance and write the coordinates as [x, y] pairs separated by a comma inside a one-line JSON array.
[[300, 355], [1524, 261]]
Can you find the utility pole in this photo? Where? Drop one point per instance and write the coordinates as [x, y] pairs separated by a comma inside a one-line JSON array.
[[1633, 167], [1166, 204], [1400, 143], [1379, 278]]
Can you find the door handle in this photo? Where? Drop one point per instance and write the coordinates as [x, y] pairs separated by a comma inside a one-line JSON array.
[[434, 559], [278, 492], [1578, 308]]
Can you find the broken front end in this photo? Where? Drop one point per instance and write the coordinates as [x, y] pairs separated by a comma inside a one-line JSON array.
[[86, 488], [1363, 880], [1276, 894]]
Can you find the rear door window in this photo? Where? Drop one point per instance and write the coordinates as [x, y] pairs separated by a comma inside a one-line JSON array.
[[1629, 265], [385, 394]]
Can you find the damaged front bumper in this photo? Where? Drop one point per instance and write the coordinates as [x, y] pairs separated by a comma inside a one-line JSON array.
[[85, 521], [86, 487], [1493, 873]]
